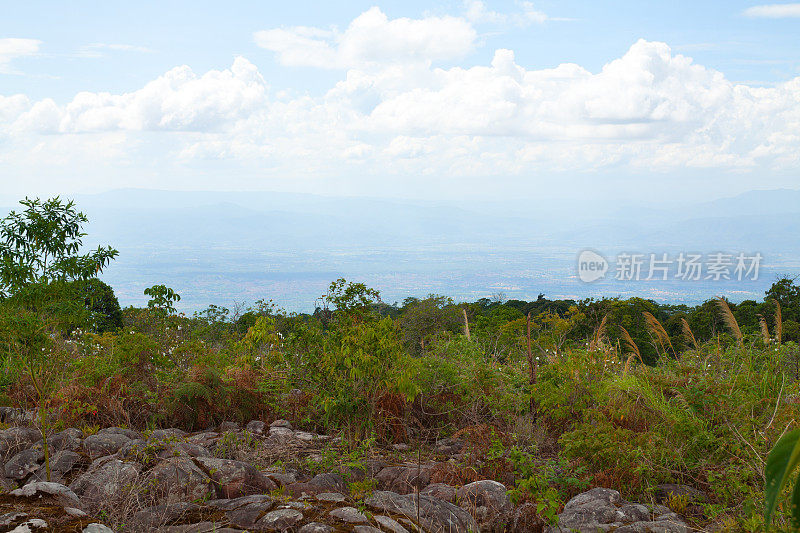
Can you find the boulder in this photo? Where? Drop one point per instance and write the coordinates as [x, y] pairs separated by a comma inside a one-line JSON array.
[[152, 518], [15, 439], [130, 433], [442, 491], [97, 528], [404, 479], [389, 524], [57, 491], [349, 515], [329, 482], [601, 509], [488, 502], [236, 478], [436, 516], [102, 444], [69, 439], [256, 427], [23, 464], [280, 519], [179, 479], [315, 527], [105, 478]]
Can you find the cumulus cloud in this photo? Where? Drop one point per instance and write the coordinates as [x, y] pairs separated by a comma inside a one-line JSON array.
[[394, 112], [773, 11], [12, 48], [371, 39], [177, 101]]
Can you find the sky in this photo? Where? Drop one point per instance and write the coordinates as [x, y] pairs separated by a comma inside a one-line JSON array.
[[594, 101]]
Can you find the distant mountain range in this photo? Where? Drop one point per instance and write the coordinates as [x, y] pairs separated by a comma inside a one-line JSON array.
[[226, 247]]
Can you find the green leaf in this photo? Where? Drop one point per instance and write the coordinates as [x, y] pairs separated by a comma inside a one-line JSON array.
[[781, 462], [795, 504]]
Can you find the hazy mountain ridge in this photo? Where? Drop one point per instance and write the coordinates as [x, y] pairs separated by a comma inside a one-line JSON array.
[[219, 247]]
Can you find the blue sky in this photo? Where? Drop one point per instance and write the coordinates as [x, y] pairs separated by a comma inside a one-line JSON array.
[[662, 99]]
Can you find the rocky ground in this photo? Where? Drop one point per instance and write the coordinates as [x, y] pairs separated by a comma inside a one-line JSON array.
[[257, 479]]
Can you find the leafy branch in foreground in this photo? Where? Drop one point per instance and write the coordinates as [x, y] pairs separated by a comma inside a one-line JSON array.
[[782, 461]]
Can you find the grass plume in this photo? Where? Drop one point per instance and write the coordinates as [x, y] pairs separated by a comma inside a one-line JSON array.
[[730, 320]]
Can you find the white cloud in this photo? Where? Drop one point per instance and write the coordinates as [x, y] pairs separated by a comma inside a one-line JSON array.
[[395, 113], [477, 13], [12, 48], [773, 11], [177, 101], [371, 39]]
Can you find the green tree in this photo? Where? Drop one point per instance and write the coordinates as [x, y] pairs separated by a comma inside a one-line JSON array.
[[162, 298], [41, 244], [422, 320]]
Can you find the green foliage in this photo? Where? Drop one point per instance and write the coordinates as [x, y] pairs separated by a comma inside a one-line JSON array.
[[41, 243], [546, 483], [162, 297], [782, 461]]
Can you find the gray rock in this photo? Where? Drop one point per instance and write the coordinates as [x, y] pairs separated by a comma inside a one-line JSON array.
[[166, 434], [488, 502], [69, 439], [151, 518], [282, 478], [132, 434], [602, 509], [329, 482], [15, 439], [436, 516], [256, 427], [23, 464], [102, 444], [390, 524], [449, 446], [97, 528], [201, 527], [441, 491], [179, 479], [330, 497], [635, 512], [63, 461], [245, 516], [315, 527], [7, 519], [106, 478], [30, 525], [281, 424], [226, 504], [236, 478], [228, 425], [404, 479], [304, 436], [38, 489], [280, 519], [350, 515]]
